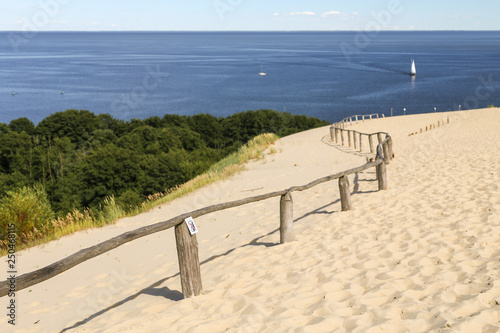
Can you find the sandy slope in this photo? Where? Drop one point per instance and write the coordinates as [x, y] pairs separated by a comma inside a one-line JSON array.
[[422, 256]]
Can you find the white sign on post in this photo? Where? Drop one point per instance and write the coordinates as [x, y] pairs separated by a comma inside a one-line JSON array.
[[191, 226]]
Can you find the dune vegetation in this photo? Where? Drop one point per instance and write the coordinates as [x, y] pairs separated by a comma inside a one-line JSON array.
[[76, 170]]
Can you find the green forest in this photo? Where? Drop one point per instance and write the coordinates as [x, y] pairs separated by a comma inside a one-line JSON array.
[[76, 159]]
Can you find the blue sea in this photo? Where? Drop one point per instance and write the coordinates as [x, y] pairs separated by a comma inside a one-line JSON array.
[[329, 75]]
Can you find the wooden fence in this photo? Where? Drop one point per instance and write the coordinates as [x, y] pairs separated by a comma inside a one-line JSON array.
[[187, 245], [349, 121], [357, 140]]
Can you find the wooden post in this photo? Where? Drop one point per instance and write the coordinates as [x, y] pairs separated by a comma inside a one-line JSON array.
[[189, 262], [370, 138], [342, 136], [360, 142], [349, 137], [356, 119], [389, 145], [379, 137], [337, 135], [332, 133], [387, 158], [345, 194], [370, 117], [286, 218], [382, 176], [355, 137]]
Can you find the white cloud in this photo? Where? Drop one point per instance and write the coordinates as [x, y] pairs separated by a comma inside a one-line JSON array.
[[333, 12], [340, 15], [301, 14], [276, 14]]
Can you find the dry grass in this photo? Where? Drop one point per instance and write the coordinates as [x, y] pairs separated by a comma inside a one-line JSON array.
[[110, 211]]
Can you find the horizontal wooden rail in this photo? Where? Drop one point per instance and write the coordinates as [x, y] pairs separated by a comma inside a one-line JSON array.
[[188, 247], [45, 273], [350, 120]]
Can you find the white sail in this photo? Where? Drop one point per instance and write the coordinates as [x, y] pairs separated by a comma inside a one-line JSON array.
[[413, 70]]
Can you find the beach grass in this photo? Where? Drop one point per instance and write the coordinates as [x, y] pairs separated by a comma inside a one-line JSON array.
[[110, 211]]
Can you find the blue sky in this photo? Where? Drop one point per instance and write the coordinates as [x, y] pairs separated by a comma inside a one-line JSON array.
[[170, 15]]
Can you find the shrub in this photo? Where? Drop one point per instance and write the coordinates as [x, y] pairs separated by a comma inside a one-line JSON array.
[[29, 209], [129, 198]]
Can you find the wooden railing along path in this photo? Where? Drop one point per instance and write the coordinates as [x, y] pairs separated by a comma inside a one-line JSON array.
[[355, 139], [187, 245], [349, 121]]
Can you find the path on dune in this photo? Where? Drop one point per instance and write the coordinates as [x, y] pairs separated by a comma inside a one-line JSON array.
[[422, 256]]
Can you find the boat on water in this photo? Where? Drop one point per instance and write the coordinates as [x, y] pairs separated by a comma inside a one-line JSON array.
[[413, 70], [262, 73], [13, 93]]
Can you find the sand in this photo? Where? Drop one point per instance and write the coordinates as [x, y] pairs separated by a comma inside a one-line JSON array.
[[423, 256]]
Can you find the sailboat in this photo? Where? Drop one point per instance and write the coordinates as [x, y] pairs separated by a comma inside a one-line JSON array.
[[262, 73], [413, 70]]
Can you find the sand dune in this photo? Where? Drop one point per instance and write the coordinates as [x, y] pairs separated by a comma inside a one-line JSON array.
[[422, 256]]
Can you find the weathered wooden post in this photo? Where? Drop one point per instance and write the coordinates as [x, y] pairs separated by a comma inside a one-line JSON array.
[[387, 158], [189, 262], [337, 135], [355, 138], [345, 194], [286, 218], [349, 137], [379, 137], [389, 146], [332, 133], [372, 149], [342, 136], [382, 176]]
